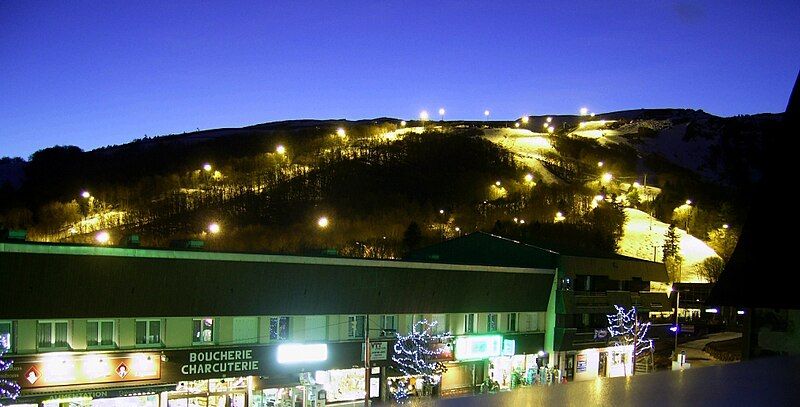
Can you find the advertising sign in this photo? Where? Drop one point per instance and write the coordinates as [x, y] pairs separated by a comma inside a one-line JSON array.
[[478, 347], [379, 351], [580, 365], [60, 369]]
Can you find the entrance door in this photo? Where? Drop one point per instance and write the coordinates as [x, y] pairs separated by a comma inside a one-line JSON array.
[[601, 365]]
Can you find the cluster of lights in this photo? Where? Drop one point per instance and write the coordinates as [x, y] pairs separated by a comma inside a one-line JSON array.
[[414, 355], [626, 330], [8, 389], [520, 221]]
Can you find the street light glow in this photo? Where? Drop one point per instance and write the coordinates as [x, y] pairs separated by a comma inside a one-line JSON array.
[[213, 228], [423, 115], [688, 202], [525, 119], [102, 237], [497, 183], [516, 124], [551, 129], [584, 111], [340, 132], [441, 112], [441, 211], [636, 184], [725, 226], [207, 167], [86, 194], [280, 149], [549, 119], [607, 177], [599, 163], [322, 222], [528, 177], [402, 123]]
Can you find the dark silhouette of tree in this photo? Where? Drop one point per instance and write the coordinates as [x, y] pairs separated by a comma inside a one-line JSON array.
[[412, 237]]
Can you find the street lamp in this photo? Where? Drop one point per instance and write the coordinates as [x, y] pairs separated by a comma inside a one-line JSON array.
[[213, 228], [86, 194], [516, 124], [525, 119], [677, 307], [207, 167], [280, 149], [402, 123], [497, 183], [340, 132], [599, 163], [528, 177], [102, 237], [423, 116], [551, 129], [607, 177], [584, 111], [549, 119], [441, 113], [486, 114], [322, 222]]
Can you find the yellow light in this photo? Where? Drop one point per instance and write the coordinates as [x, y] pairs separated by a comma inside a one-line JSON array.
[[402, 123], [340, 132], [528, 177], [584, 111], [549, 119], [423, 115], [516, 220], [522, 221], [86, 194], [545, 125], [725, 226], [497, 183], [516, 124], [102, 237], [599, 198], [599, 163], [559, 217], [213, 228], [207, 167], [280, 149], [636, 185], [551, 129], [525, 119], [688, 202], [607, 177], [322, 222]]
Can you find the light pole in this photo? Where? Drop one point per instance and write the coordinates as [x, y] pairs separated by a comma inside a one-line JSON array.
[[441, 114], [677, 327]]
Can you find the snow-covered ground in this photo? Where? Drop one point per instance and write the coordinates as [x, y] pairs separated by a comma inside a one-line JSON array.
[[394, 135], [527, 148], [642, 233]]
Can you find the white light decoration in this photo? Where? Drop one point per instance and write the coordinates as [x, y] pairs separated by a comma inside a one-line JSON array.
[[415, 353], [627, 331], [9, 389], [289, 353]]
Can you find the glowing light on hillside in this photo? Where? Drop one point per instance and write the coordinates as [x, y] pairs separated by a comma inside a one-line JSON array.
[[522, 221], [584, 111], [516, 124], [441, 113], [599, 163], [528, 177], [102, 237], [559, 217], [213, 228], [402, 123], [598, 198], [549, 119], [551, 129], [607, 177], [636, 185], [280, 149], [441, 211], [207, 167], [340, 132], [423, 115], [688, 202], [725, 226], [322, 222], [497, 183], [86, 194], [525, 119], [591, 114]]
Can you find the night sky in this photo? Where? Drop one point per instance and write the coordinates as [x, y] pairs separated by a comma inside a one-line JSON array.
[[99, 73]]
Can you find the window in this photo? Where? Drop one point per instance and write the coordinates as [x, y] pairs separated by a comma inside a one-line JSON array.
[[388, 325], [278, 328], [441, 323], [203, 330], [148, 331], [491, 322], [469, 323], [511, 322], [6, 335], [355, 326], [52, 335], [100, 333]]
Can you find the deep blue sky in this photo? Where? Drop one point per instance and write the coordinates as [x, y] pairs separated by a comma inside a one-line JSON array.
[[98, 73]]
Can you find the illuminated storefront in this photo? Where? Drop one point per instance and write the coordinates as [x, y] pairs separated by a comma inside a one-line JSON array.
[[587, 364]]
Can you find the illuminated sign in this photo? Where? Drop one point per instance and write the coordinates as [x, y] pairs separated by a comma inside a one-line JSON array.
[[478, 347], [220, 361], [64, 369], [302, 353], [509, 347]]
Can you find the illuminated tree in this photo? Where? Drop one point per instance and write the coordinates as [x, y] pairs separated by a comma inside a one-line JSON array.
[[415, 354], [626, 330], [8, 388]]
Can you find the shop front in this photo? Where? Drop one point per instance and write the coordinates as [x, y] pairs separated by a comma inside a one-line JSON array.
[[588, 364]]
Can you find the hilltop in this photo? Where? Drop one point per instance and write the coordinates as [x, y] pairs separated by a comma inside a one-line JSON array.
[[387, 186]]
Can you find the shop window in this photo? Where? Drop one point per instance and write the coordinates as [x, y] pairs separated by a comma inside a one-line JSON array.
[[278, 328], [441, 323], [100, 333], [148, 332], [511, 322], [469, 323], [355, 326], [203, 331], [388, 325], [52, 335], [6, 335], [491, 322]]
